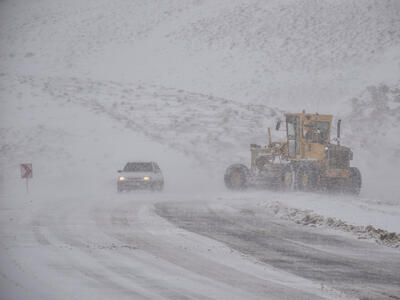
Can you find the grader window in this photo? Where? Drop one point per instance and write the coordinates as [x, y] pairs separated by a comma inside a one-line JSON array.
[[291, 130], [317, 132], [293, 135]]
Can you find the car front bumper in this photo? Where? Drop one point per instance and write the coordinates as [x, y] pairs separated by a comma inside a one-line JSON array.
[[137, 184]]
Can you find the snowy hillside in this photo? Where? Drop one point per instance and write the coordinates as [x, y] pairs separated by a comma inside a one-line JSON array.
[[295, 54], [374, 131], [376, 113], [196, 76], [78, 144]]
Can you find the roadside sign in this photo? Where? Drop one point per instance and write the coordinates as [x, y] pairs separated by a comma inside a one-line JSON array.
[[26, 171]]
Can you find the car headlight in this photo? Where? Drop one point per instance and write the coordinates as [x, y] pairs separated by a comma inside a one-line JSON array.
[[146, 178], [122, 178]]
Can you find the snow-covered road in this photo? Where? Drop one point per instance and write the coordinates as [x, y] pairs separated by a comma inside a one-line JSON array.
[[361, 269], [118, 246]]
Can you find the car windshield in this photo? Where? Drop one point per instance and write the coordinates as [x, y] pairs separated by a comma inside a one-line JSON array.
[[138, 167]]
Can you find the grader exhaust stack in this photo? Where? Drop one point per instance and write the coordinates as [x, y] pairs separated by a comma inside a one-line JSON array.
[[338, 131], [269, 137]]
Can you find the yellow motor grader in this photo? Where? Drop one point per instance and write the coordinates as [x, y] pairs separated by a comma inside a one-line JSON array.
[[306, 161]]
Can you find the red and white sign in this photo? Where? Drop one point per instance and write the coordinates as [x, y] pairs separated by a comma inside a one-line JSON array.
[[26, 171]]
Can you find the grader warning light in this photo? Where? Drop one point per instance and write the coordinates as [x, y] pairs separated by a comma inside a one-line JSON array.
[[306, 161]]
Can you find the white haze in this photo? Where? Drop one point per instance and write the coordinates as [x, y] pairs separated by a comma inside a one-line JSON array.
[[248, 53], [86, 86]]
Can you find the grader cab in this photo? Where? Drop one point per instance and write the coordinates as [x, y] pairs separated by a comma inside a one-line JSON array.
[[306, 161]]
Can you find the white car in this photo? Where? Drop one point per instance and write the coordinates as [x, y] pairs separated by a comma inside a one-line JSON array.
[[140, 175]]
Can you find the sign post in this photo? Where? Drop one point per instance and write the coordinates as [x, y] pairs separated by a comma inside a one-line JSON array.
[[26, 172]]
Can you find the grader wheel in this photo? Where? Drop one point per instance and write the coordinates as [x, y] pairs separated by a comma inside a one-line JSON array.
[[302, 178], [354, 184], [289, 178], [308, 178], [236, 177], [305, 179]]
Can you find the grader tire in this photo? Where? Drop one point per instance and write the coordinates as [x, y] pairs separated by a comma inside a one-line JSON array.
[[289, 180], [236, 177], [307, 178], [354, 183]]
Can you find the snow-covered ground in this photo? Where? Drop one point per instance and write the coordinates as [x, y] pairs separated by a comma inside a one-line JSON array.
[[87, 85], [227, 69]]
